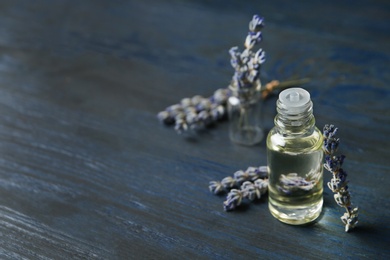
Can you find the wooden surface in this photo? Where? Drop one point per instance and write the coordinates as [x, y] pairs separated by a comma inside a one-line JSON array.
[[87, 171]]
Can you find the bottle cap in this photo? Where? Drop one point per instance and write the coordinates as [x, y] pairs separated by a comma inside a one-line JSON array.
[[295, 100]]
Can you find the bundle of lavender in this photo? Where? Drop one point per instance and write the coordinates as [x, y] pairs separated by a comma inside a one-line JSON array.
[[338, 183], [200, 112]]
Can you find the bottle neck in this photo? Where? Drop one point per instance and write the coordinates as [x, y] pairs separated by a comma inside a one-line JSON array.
[[293, 122]]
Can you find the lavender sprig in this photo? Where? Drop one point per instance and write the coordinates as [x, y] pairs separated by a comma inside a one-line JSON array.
[[249, 190], [249, 184], [197, 112], [338, 183], [247, 64], [239, 177], [293, 182]]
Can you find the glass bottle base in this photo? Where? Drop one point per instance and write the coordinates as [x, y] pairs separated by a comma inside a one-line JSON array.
[[296, 215], [247, 135]]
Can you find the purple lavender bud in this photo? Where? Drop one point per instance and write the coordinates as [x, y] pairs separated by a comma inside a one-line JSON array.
[[165, 117], [342, 175], [328, 163], [204, 104], [234, 63], [339, 159], [191, 118], [205, 117], [252, 39], [233, 51], [221, 96], [181, 126], [238, 79], [253, 76], [240, 176], [256, 24], [252, 173], [249, 191], [350, 219], [329, 131], [256, 36], [245, 56], [196, 100], [263, 171], [233, 200], [252, 65], [331, 145], [180, 115], [333, 164], [218, 112], [333, 186], [228, 182], [235, 59], [174, 109], [252, 170], [260, 57], [342, 199], [334, 146], [261, 185], [186, 102], [216, 187], [336, 184]]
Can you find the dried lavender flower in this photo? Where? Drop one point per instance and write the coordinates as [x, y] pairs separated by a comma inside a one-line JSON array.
[[233, 199], [331, 143], [250, 191], [247, 63], [240, 176], [256, 24], [261, 185], [218, 112], [350, 218], [333, 163], [292, 182], [342, 197], [338, 183], [216, 187], [165, 117], [197, 112], [228, 182], [253, 183], [181, 125]]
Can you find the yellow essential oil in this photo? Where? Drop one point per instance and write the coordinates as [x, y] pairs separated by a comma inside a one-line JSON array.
[[294, 155]]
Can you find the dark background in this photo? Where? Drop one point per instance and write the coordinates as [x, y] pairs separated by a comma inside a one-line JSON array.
[[87, 171]]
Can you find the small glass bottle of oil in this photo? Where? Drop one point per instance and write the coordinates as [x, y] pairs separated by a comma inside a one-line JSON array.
[[294, 155]]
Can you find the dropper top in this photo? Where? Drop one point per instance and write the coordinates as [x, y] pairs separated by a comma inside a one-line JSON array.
[[294, 100]]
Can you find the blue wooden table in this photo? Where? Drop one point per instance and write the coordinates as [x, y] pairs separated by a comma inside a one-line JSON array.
[[88, 172]]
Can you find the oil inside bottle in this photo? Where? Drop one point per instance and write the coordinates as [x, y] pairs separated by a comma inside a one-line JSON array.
[[296, 186], [294, 155]]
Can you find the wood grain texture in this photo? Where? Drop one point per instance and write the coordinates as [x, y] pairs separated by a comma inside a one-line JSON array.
[[87, 172]]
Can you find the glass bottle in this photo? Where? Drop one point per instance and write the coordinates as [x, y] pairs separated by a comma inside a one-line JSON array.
[[244, 111], [294, 155]]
